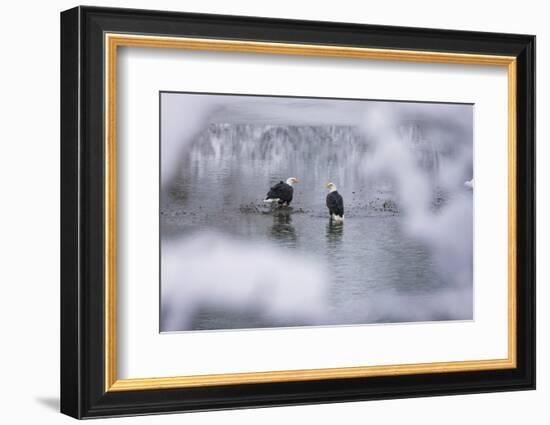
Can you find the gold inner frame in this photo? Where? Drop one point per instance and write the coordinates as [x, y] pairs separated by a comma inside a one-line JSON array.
[[113, 41]]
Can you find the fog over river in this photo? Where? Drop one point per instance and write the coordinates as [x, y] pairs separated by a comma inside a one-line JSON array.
[[229, 261]]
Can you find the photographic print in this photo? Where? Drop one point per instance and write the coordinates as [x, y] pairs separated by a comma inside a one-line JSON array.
[[350, 189], [287, 211]]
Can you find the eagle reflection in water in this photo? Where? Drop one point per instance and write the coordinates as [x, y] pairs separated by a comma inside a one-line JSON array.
[[282, 228], [335, 232]]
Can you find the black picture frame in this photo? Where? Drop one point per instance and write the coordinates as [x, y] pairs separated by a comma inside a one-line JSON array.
[[83, 392]]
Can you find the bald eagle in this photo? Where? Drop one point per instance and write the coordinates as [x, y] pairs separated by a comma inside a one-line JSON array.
[[282, 192], [335, 203]]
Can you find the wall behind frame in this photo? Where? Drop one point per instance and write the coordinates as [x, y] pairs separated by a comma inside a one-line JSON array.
[[29, 217]]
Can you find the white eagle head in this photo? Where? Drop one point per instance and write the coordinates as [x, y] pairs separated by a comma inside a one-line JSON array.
[[292, 181], [330, 186]]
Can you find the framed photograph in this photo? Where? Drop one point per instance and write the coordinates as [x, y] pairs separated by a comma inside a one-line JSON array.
[[261, 212]]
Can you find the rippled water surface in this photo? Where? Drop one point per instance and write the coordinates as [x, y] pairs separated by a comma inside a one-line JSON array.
[[376, 272]]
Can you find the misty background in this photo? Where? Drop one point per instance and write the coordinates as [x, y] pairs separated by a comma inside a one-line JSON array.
[[228, 261]]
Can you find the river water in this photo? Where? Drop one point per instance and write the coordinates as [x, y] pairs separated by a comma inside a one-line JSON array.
[[372, 269]]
